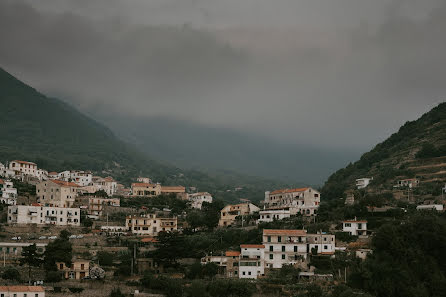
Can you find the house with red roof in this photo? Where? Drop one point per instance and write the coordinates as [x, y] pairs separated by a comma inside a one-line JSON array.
[[305, 201]]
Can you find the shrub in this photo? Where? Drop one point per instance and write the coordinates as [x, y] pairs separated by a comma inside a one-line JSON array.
[[11, 274]]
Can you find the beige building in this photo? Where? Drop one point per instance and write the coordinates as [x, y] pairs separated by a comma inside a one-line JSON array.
[[229, 213], [146, 190], [305, 201], [22, 291], [78, 269], [56, 193], [96, 205], [179, 191], [43, 215], [151, 224]]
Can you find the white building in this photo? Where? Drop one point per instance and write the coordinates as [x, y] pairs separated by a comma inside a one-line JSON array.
[[41, 215], [355, 227], [42, 174], [56, 193], [229, 214], [107, 184], [252, 261], [437, 207], [22, 291], [144, 180], [284, 247], [322, 243], [362, 183], [8, 194], [197, 199], [6, 172], [96, 205], [363, 253], [409, 183], [150, 224], [269, 215], [81, 178], [115, 230], [305, 201], [24, 168]]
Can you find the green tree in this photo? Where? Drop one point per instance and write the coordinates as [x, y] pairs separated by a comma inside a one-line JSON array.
[[53, 276], [105, 258], [116, 292], [59, 250], [30, 257], [11, 274]]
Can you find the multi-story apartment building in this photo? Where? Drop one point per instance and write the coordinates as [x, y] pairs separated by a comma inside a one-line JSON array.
[[269, 215], [197, 199], [229, 213], [107, 184], [79, 269], [6, 172], [252, 261], [284, 247], [305, 201], [56, 193], [22, 291], [409, 183], [232, 263], [355, 227], [96, 205], [41, 215], [23, 168], [321, 243], [8, 194], [81, 178], [151, 224], [146, 190]]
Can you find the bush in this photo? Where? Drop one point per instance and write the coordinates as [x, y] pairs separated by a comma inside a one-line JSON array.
[[116, 292], [53, 277], [11, 274]]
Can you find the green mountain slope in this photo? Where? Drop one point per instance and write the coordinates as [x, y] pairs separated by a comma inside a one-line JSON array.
[[418, 150], [58, 137]]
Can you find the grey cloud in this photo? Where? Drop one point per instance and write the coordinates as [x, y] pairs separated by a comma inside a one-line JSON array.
[[337, 74]]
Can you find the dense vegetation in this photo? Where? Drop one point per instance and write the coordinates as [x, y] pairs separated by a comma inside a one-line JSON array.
[[423, 138]]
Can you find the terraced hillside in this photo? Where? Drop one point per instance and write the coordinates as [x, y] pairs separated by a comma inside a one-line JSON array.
[[417, 150]]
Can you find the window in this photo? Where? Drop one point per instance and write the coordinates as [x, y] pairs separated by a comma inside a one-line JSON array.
[[283, 256], [347, 225], [271, 248], [283, 248], [295, 248], [269, 238], [271, 256], [244, 273], [249, 272], [325, 247], [279, 238]]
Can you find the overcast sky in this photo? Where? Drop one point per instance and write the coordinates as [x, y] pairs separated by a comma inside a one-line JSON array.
[[342, 74]]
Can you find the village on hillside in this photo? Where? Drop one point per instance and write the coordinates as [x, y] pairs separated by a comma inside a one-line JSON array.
[[62, 230]]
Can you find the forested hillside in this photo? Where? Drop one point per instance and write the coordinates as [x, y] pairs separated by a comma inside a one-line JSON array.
[[417, 150], [58, 137]]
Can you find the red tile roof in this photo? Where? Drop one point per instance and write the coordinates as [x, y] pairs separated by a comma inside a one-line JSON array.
[[1, 181], [35, 204], [21, 289], [64, 183], [24, 162], [53, 173], [284, 232], [252, 246], [283, 191], [355, 221], [232, 254], [148, 239]]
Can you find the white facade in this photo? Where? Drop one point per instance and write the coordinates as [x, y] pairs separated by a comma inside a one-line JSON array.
[[410, 183], [284, 247], [252, 261], [269, 215], [114, 230], [81, 178], [42, 174], [437, 207], [305, 201], [321, 242], [8, 194], [144, 180], [355, 227], [197, 199], [41, 215], [22, 291], [363, 253], [6, 172], [24, 168], [107, 184], [150, 224], [362, 183]]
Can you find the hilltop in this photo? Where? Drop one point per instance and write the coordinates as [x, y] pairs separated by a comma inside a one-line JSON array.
[[417, 150], [58, 137]]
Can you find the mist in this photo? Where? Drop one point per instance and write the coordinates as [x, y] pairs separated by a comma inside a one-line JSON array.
[[337, 75]]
